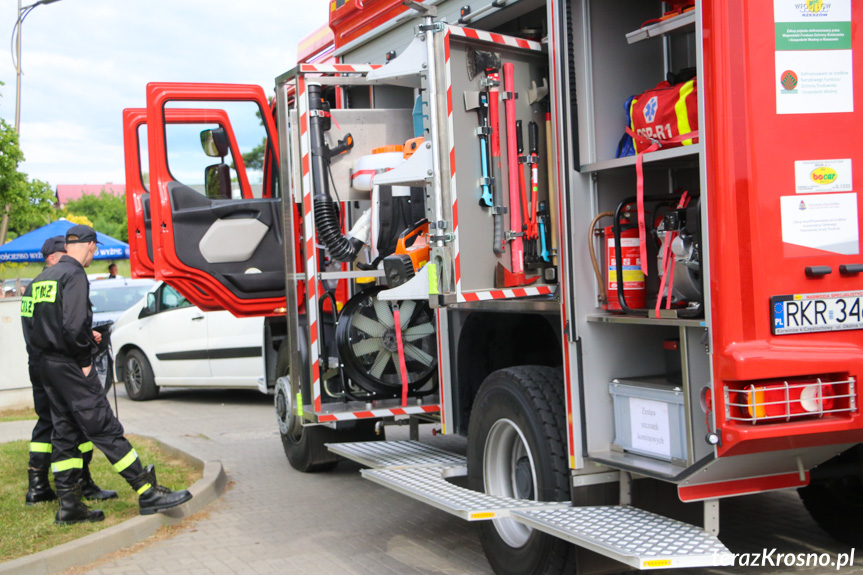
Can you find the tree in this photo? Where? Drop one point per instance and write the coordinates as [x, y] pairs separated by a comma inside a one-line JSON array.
[[106, 211], [27, 204]]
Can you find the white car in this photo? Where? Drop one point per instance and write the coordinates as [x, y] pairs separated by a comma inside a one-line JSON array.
[[165, 341]]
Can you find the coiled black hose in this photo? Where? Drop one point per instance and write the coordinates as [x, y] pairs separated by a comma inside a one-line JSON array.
[[341, 248]]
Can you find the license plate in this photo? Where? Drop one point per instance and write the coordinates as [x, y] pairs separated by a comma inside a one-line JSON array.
[[814, 312]]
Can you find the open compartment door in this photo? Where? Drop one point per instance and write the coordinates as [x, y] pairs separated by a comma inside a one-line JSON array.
[[215, 233]]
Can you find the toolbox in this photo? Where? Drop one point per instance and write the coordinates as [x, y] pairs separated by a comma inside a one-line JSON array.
[[649, 418]]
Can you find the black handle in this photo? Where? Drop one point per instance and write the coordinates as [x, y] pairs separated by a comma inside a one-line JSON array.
[[519, 140], [533, 137], [818, 271], [850, 269]]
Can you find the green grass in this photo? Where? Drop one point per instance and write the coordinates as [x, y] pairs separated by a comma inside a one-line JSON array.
[[17, 414], [31, 270], [25, 530]]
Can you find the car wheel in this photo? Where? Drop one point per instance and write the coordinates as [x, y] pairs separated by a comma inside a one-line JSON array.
[[138, 375], [517, 449]]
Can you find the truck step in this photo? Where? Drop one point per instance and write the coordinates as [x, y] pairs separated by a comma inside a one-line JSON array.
[[429, 485], [398, 454], [633, 536]]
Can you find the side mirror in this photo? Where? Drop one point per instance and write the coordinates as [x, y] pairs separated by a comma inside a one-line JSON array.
[[215, 142], [150, 308], [217, 182]]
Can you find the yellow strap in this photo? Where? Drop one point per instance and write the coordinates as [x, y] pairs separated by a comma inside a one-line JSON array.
[[38, 447], [680, 109], [144, 488], [128, 460], [86, 447], [67, 464], [432, 279], [631, 112], [299, 403]]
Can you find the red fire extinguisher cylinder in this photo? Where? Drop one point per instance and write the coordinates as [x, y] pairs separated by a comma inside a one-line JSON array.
[[634, 289]]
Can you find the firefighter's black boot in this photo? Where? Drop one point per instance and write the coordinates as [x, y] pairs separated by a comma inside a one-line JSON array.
[[39, 489], [153, 497], [73, 510], [91, 491]]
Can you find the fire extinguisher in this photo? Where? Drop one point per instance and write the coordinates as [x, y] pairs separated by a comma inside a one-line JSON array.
[[634, 290]]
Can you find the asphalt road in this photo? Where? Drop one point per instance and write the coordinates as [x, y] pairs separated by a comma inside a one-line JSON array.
[[276, 520]]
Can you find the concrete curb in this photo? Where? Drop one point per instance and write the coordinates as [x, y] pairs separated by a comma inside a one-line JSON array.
[[97, 545]]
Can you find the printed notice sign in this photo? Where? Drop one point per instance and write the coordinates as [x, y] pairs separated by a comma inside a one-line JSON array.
[[812, 177], [813, 56], [651, 432], [822, 222]]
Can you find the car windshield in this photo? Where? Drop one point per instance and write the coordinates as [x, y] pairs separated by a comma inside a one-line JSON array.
[[117, 298]]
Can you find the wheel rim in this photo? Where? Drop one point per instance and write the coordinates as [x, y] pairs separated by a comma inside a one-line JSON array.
[[134, 375], [509, 471], [289, 424]]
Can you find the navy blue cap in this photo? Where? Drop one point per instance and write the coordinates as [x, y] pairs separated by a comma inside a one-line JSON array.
[[84, 235], [53, 245]]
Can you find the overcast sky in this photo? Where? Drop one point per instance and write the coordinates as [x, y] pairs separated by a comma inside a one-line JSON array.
[[84, 61]]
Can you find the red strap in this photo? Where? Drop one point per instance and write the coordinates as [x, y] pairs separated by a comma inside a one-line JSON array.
[[403, 368], [668, 264]]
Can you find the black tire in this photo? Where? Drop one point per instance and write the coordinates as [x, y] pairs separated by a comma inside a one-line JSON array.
[[519, 414], [305, 446], [834, 497], [138, 376]]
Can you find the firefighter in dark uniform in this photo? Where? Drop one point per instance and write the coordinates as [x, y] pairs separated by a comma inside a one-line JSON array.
[[62, 331], [40, 443]]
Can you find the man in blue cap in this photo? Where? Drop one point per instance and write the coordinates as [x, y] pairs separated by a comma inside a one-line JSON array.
[[39, 489], [62, 321]]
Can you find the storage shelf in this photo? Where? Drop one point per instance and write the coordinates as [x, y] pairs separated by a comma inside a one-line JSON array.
[[662, 28], [636, 319], [658, 156]]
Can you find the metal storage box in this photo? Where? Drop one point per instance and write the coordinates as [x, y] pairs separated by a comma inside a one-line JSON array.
[[649, 418]]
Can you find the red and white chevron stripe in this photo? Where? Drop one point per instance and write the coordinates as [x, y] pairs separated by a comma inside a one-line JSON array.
[[504, 293], [386, 412], [451, 147], [337, 68], [495, 38]]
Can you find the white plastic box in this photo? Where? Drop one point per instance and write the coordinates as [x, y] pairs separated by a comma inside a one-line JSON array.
[[649, 418]]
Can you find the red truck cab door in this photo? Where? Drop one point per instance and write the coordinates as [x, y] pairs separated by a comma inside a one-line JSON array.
[[226, 243], [138, 195]]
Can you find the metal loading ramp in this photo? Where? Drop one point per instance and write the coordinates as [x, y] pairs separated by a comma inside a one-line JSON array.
[[638, 538]]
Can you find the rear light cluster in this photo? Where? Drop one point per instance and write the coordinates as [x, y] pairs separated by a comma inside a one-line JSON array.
[[779, 401]]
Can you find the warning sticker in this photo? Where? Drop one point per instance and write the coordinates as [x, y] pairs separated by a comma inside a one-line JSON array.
[[813, 56], [816, 176]]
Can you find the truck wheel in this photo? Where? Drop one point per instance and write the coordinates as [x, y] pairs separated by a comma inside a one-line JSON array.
[[139, 381], [517, 449], [834, 497]]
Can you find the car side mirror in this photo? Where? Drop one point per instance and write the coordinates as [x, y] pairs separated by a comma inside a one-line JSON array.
[[150, 308], [217, 182], [215, 142]]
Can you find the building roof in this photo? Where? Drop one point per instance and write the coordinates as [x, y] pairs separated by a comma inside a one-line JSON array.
[[68, 192]]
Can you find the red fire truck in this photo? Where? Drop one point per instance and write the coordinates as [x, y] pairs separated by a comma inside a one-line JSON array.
[[613, 243]]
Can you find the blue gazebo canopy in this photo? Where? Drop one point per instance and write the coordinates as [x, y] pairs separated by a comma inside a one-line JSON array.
[[28, 248]]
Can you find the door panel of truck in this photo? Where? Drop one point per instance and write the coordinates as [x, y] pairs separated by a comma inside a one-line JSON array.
[[231, 248], [138, 197]]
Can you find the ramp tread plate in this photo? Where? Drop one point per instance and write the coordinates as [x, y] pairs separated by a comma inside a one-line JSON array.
[[397, 454], [633, 536], [427, 484]]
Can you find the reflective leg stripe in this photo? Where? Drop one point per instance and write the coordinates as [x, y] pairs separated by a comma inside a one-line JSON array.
[[144, 488], [67, 464], [128, 460], [38, 447], [682, 112], [86, 447]]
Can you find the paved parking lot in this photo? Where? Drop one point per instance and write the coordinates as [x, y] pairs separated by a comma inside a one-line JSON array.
[[276, 520]]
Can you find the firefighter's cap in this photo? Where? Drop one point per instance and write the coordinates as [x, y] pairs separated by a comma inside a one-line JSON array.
[[82, 234], [53, 245]]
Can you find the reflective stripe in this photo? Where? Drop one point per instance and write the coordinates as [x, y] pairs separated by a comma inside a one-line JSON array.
[[37, 447], [632, 104], [44, 291], [145, 488], [27, 304], [128, 460], [67, 464], [680, 109], [86, 447]]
